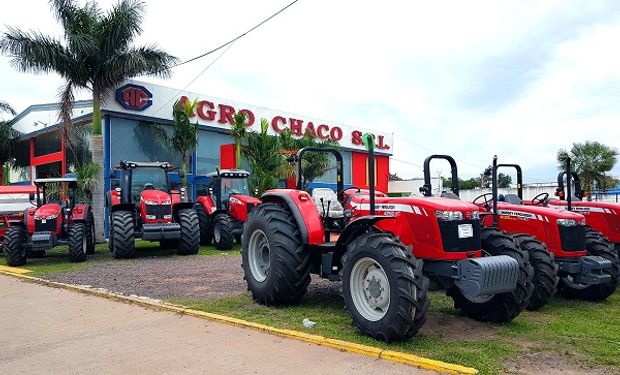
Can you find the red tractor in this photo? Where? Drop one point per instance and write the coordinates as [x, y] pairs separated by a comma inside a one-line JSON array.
[[287, 237], [14, 200], [144, 206], [603, 217], [488, 277], [587, 264], [223, 206], [51, 223]]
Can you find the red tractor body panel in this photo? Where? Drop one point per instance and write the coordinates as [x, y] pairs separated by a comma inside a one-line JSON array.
[[159, 199], [80, 211], [49, 211], [601, 216], [416, 224], [540, 222], [207, 203], [238, 206], [307, 209]]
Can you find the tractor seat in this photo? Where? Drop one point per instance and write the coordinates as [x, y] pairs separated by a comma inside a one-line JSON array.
[[449, 195], [336, 211], [512, 199]]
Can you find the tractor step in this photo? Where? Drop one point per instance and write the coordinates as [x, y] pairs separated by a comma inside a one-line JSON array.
[[587, 270], [161, 231]]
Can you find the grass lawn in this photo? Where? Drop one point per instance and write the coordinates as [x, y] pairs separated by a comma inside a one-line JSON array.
[[57, 259], [587, 332]]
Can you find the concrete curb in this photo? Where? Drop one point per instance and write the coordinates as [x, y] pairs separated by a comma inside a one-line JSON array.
[[369, 351]]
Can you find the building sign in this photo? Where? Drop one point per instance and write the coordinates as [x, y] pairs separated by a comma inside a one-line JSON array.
[[134, 97], [219, 113]]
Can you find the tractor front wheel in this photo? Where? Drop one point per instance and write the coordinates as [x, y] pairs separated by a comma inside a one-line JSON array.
[[190, 233], [276, 264], [90, 233], [502, 307], [223, 237], [383, 287], [78, 242], [545, 270], [206, 227], [14, 251], [598, 245], [122, 238]]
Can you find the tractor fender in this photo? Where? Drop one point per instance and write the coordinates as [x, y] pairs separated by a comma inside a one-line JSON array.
[[357, 226], [80, 211], [303, 210], [180, 206], [122, 207], [206, 203]]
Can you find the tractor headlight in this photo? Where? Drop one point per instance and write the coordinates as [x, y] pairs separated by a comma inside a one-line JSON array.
[[475, 215], [150, 202], [567, 222], [50, 217], [449, 215]]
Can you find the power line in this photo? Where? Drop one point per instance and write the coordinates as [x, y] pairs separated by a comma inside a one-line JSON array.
[[236, 38]]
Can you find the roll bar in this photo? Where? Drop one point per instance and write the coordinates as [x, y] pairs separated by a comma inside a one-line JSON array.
[[427, 188], [339, 165], [577, 181]]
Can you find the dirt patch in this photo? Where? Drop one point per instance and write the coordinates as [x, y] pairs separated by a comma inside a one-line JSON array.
[[195, 277], [551, 363], [456, 328]]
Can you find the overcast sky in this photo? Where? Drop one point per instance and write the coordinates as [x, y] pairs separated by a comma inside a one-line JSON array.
[[519, 79]]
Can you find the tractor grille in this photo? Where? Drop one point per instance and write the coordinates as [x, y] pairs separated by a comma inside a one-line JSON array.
[[450, 236], [573, 238], [250, 207], [48, 226], [158, 210]]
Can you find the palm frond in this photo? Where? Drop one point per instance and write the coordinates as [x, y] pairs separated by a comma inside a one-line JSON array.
[[6, 107], [119, 27]]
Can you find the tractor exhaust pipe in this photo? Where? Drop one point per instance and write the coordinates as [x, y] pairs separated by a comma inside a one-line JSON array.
[[569, 198], [494, 190]]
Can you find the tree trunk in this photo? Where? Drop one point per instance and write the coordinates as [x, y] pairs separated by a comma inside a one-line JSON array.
[[184, 170], [238, 153], [96, 148]]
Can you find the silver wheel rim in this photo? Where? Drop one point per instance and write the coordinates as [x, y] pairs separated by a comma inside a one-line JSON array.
[[258, 255], [370, 289], [217, 232]]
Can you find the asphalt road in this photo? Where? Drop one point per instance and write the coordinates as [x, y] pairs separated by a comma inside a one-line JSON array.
[[46, 330]]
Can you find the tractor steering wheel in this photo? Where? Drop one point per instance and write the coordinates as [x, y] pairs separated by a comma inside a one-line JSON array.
[[486, 197], [340, 194], [540, 199]]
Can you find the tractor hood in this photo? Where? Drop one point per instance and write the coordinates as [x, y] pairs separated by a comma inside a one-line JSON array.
[[540, 211], [442, 204], [155, 197], [245, 199], [47, 211]]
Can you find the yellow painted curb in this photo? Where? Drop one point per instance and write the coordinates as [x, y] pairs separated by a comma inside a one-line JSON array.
[[6, 269], [366, 350]]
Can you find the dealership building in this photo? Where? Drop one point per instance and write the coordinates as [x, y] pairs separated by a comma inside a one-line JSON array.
[[130, 112]]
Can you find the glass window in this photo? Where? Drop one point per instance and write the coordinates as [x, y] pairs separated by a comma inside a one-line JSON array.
[[138, 141], [49, 170], [330, 175], [208, 153], [78, 151], [47, 143]]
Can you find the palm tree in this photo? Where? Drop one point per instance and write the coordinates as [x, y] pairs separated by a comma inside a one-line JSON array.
[[8, 141], [96, 54], [238, 131], [314, 164], [264, 156], [591, 161], [185, 136], [6, 107]]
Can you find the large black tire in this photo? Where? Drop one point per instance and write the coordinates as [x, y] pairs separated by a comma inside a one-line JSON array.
[[14, 251], [373, 263], [206, 227], [277, 270], [122, 236], [190, 232], [598, 245], [545, 270], [90, 233], [78, 242], [502, 307], [223, 237]]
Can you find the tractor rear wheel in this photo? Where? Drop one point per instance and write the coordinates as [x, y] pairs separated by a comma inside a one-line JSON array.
[[122, 238], [90, 233], [206, 227], [14, 250], [223, 237], [276, 264], [545, 270], [190, 233], [501, 307], [78, 242], [383, 287], [598, 245]]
